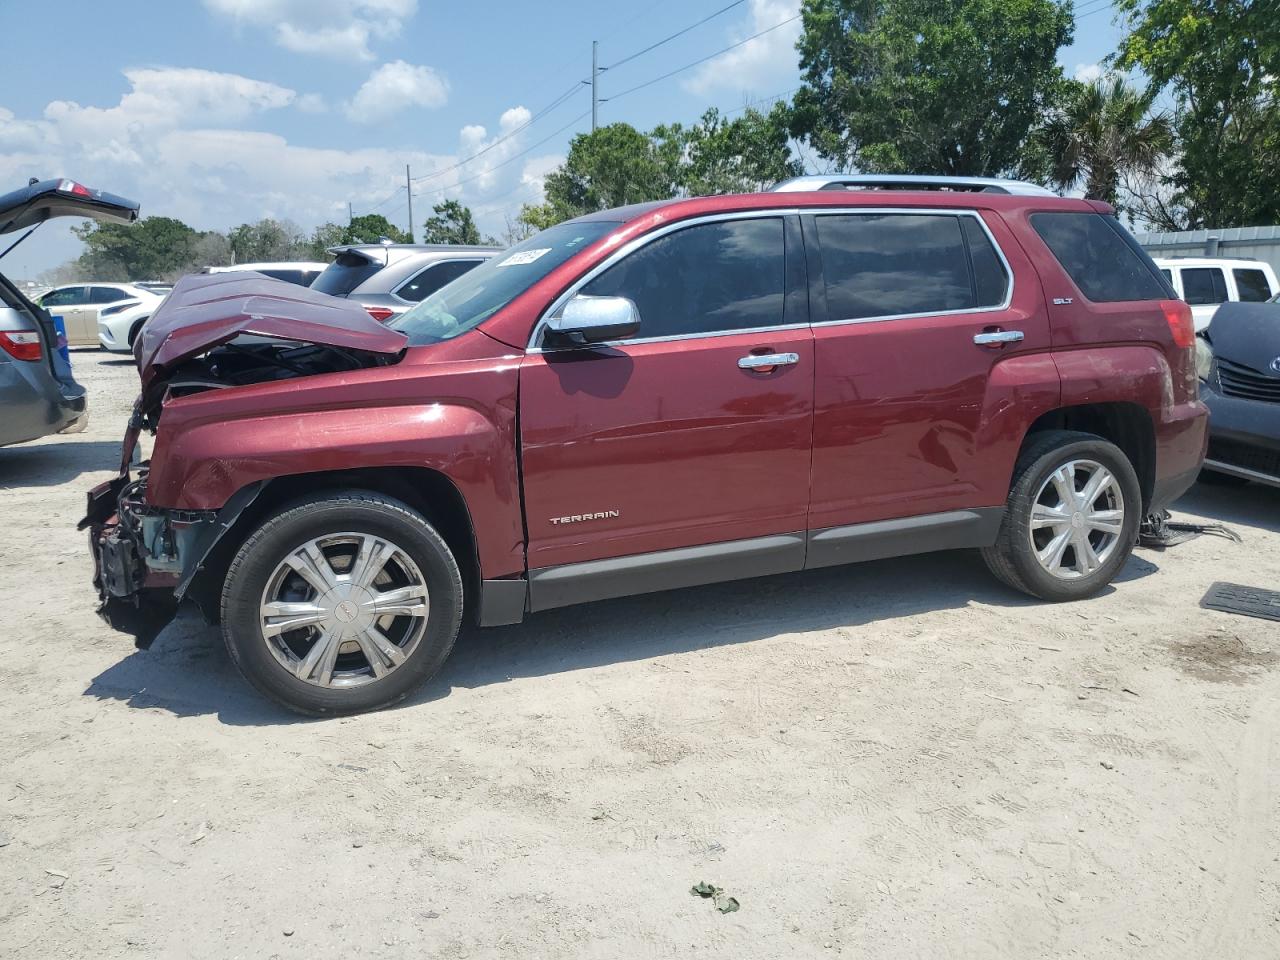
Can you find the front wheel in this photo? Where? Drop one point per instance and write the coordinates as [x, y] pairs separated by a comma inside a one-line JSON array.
[[341, 603], [1072, 517]]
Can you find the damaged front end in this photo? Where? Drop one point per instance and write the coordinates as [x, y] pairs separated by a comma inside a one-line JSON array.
[[210, 334]]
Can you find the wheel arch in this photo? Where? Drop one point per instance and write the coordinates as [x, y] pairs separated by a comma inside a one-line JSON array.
[[430, 492], [1128, 425]]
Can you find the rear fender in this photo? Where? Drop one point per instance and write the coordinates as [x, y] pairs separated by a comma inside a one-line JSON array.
[[1019, 390]]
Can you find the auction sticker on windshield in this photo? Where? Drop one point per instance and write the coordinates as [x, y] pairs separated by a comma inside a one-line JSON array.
[[523, 257]]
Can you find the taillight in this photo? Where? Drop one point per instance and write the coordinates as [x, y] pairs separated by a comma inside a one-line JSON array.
[[1178, 315], [78, 189], [21, 344], [381, 314]]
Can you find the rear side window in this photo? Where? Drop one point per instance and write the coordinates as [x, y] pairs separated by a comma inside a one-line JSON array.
[[1100, 257], [708, 278], [891, 264], [1252, 285], [346, 273], [1202, 285], [302, 278], [106, 295], [428, 281]]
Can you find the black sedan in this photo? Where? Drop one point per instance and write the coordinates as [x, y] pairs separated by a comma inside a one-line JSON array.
[[1238, 360]]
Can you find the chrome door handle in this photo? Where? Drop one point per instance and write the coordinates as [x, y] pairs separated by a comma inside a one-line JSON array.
[[755, 361], [997, 336]]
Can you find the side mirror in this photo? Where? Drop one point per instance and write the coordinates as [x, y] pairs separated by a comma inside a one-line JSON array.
[[586, 320]]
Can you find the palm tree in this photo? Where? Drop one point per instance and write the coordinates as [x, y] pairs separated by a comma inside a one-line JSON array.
[[1102, 132]]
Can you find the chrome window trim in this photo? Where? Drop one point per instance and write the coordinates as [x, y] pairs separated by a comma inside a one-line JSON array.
[[641, 241], [635, 244], [430, 266], [932, 211]]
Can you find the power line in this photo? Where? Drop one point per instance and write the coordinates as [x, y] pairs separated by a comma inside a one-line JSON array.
[[511, 159], [678, 33], [710, 56], [567, 95], [1104, 6]]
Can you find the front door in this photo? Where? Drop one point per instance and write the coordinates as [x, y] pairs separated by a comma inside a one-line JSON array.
[[920, 307], [675, 449]]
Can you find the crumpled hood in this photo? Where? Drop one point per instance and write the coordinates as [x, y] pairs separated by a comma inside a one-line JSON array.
[[1247, 333], [205, 310]]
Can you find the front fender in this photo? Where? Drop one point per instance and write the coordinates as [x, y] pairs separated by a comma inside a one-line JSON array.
[[204, 453]]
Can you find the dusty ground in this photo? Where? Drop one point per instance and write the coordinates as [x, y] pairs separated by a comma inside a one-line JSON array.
[[895, 760]]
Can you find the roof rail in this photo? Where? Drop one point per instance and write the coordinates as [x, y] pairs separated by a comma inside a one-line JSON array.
[[903, 181]]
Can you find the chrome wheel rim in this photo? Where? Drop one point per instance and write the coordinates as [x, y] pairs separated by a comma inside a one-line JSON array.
[[1077, 519], [344, 610]]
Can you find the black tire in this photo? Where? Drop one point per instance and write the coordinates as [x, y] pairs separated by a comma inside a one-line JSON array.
[[1215, 479], [135, 330], [1012, 558], [354, 511]]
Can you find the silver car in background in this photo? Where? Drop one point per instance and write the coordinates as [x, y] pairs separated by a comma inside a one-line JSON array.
[[389, 278]]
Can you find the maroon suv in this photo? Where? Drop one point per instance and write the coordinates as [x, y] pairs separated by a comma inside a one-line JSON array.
[[651, 397]]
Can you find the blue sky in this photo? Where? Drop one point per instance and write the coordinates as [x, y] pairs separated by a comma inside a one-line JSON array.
[[225, 111]]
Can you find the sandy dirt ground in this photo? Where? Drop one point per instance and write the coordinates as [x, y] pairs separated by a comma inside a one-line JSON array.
[[901, 759]]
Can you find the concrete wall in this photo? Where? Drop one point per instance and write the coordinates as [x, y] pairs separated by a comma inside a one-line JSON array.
[[1256, 243]]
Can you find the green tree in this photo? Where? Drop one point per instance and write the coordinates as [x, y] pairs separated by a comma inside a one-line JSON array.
[[1220, 60], [267, 240], [927, 86], [452, 223], [154, 247], [609, 167], [373, 228], [1102, 134], [322, 238], [747, 154]]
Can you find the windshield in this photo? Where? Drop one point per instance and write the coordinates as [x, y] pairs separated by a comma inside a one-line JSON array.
[[480, 293]]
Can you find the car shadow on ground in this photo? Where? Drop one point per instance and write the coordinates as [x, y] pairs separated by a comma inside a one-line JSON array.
[[187, 671], [55, 462], [1253, 505]]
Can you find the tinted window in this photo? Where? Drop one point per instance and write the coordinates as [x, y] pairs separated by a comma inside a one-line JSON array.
[[1100, 257], [1252, 285], [480, 293], [106, 295], [1201, 285], [990, 281], [886, 264], [301, 277], [431, 279], [703, 279], [346, 273], [1168, 275], [64, 298]]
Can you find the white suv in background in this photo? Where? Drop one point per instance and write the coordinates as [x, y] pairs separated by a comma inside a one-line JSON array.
[[105, 314], [1208, 282]]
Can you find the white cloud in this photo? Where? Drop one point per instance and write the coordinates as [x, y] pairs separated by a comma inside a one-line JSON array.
[[761, 62], [337, 28], [394, 87], [174, 143], [1088, 72], [312, 103]]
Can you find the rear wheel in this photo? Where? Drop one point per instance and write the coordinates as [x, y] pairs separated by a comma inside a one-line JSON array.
[[1072, 517], [341, 603]]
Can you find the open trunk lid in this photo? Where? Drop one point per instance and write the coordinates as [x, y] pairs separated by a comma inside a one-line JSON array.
[[206, 310], [47, 199]]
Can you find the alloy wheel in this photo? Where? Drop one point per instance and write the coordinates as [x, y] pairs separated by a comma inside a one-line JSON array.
[[344, 610], [1077, 519]]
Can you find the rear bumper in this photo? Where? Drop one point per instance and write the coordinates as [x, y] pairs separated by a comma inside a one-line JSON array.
[[1182, 438]]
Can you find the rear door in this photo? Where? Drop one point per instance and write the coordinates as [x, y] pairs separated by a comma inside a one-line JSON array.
[[658, 446], [917, 308]]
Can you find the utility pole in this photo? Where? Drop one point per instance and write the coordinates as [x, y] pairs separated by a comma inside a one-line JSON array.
[[595, 96], [408, 189], [350, 214]]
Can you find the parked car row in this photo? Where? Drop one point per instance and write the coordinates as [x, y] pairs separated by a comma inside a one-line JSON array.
[[1208, 282]]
